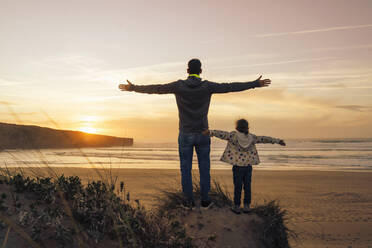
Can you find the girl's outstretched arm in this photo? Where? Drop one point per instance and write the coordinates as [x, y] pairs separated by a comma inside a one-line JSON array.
[[220, 134], [271, 140]]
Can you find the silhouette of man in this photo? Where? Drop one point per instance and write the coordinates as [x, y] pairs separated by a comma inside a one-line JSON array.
[[193, 97]]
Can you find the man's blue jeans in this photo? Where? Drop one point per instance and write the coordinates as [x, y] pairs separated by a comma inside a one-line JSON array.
[[202, 144]]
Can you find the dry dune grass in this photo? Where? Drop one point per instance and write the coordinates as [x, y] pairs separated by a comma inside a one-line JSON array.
[[265, 226], [61, 212]]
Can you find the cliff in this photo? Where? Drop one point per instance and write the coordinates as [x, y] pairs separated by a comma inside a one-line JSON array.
[[14, 136]]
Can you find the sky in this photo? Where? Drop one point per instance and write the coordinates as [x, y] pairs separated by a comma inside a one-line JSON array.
[[61, 63]]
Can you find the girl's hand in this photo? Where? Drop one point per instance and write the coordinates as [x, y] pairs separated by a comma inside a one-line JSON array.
[[206, 132]]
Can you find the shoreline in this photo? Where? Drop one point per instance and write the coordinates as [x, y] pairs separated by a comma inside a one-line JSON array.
[[195, 168]]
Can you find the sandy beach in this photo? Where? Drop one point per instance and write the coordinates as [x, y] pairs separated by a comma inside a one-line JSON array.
[[326, 208]]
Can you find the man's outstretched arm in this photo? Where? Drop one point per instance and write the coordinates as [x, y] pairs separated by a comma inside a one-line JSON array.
[[233, 87], [149, 89]]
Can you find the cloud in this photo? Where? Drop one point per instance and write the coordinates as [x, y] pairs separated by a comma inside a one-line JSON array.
[[274, 96], [309, 31], [19, 113], [330, 77], [324, 124], [145, 128], [342, 48], [88, 70], [6, 103], [357, 108], [10, 82]]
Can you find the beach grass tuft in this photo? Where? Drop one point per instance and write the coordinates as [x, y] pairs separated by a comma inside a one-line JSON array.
[[173, 198], [62, 212], [272, 232]]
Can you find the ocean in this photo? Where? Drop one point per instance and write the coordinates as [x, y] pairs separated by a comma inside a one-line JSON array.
[[306, 154]]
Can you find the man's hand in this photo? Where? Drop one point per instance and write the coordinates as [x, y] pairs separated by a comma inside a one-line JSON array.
[[263, 83], [281, 142], [126, 87], [206, 132]]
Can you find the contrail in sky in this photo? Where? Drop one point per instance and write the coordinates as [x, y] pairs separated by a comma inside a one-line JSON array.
[[314, 31], [279, 62]]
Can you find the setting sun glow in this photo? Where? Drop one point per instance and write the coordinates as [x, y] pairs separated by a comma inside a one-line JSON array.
[[88, 130]]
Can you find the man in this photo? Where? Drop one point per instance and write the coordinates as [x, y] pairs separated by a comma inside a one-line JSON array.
[[193, 97]]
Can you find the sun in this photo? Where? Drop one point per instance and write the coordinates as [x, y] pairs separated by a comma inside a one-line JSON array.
[[88, 129]]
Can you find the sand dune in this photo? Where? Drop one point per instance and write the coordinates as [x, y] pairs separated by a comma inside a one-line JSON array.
[[326, 208]]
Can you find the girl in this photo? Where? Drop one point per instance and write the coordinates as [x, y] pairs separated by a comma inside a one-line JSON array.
[[241, 153]]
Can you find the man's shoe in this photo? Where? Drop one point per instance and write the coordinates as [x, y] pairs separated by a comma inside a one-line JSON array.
[[236, 209], [188, 205], [246, 209], [206, 204]]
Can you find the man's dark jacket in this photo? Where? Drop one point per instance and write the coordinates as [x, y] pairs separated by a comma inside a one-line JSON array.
[[193, 96]]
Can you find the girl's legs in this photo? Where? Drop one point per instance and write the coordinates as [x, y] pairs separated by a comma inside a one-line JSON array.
[[247, 185], [238, 183]]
